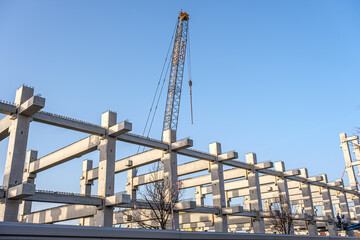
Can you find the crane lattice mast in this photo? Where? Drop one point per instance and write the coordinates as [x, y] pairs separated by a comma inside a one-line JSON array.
[[176, 73]]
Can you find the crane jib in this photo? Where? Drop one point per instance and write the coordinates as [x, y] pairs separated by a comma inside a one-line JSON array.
[[182, 50]]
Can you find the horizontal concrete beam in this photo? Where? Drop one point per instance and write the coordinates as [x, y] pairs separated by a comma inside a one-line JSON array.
[[143, 141], [68, 123], [32, 106], [232, 210], [54, 197], [182, 144], [65, 154], [5, 124], [199, 210], [228, 156], [6, 108], [131, 162], [197, 154], [21, 191], [58, 214], [180, 206], [117, 200], [120, 128]]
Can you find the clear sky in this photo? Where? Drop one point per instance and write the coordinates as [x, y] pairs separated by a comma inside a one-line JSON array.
[[278, 78]]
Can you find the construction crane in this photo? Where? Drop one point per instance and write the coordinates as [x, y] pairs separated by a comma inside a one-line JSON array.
[[172, 108]]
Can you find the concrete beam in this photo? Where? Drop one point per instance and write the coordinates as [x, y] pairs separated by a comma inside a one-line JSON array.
[[227, 156], [182, 144], [180, 206], [59, 214], [6, 108], [197, 154], [143, 141], [65, 154], [232, 210], [131, 162], [117, 200], [120, 128], [5, 124], [31, 106], [68, 123], [21, 191], [68, 198]]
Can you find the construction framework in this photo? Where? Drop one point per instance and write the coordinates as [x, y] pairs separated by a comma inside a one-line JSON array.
[[255, 182]]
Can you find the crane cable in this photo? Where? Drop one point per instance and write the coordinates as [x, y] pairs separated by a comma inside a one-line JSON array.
[[190, 82], [156, 91]]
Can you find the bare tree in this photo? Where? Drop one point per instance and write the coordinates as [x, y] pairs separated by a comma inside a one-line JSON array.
[[281, 215], [155, 208]]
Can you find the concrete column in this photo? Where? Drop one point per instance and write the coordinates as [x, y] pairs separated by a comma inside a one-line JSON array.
[[199, 197], [106, 180], [15, 158], [348, 161], [328, 208], [130, 188], [255, 194], [344, 208], [25, 206], [218, 189], [85, 187], [169, 162], [308, 203], [356, 199], [284, 192]]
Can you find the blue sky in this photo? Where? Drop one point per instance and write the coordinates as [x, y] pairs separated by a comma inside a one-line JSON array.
[[278, 78]]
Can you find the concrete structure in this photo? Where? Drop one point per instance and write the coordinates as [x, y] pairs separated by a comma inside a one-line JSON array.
[[258, 183]]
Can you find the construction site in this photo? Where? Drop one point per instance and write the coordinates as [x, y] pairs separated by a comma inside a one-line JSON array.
[[276, 202]]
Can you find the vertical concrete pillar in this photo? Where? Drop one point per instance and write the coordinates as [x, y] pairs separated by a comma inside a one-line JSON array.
[[356, 198], [308, 203], [328, 208], [199, 197], [348, 161], [106, 180], [218, 189], [356, 201], [284, 192], [25, 206], [344, 207], [130, 189], [85, 187], [15, 158], [255, 194], [169, 162]]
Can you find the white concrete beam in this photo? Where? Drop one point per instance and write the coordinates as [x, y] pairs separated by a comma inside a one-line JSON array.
[[182, 144], [131, 162], [5, 124], [58, 197], [65, 154], [120, 128], [117, 200], [21, 191], [59, 214], [6, 108], [31, 106], [68, 123], [143, 141]]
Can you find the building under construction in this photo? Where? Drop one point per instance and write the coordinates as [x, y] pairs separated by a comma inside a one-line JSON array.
[[260, 185]]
